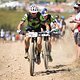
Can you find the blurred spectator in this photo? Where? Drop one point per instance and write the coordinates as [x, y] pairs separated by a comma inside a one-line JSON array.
[[17, 37], [13, 36], [2, 35], [7, 35], [21, 37]]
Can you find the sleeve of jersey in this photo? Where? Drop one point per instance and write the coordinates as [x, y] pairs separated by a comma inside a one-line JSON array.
[[24, 18], [77, 17], [52, 19], [42, 19]]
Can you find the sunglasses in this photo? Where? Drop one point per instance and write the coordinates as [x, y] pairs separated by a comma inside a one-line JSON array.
[[76, 8], [78, 4]]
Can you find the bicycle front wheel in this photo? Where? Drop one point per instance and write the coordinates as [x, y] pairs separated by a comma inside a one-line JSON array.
[[31, 59]]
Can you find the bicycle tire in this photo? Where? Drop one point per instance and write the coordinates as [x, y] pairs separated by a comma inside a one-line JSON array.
[[45, 53], [31, 59]]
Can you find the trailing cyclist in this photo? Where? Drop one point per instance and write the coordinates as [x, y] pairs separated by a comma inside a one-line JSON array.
[[63, 25], [47, 20]]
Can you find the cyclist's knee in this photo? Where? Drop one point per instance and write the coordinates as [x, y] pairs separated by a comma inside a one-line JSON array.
[[26, 41], [39, 40]]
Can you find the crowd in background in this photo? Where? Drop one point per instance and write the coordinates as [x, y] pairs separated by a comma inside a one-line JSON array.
[[13, 36], [10, 36]]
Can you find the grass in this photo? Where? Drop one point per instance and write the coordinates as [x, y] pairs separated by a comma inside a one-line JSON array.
[[9, 19]]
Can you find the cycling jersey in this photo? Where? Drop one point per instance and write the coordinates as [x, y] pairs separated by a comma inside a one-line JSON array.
[[48, 21], [77, 18], [58, 22], [33, 21]]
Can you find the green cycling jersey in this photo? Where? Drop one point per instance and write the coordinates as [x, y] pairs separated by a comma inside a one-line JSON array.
[[33, 21]]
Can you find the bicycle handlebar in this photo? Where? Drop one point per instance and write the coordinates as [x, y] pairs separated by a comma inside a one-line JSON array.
[[44, 33]]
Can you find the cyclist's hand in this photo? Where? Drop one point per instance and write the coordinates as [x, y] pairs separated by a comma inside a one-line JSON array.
[[47, 31], [72, 21], [18, 31]]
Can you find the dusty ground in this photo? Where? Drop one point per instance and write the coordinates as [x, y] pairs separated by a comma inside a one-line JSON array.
[[13, 65]]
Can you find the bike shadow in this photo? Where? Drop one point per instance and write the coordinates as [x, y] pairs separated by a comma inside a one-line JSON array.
[[53, 70]]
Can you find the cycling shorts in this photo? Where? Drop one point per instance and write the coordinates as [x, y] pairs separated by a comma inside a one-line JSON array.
[[77, 38], [30, 28]]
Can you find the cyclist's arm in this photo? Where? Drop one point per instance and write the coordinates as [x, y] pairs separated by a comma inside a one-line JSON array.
[[54, 22], [44, 22], [52, 19], [21, 24], [77, 21], [47, 26], [58, 26]]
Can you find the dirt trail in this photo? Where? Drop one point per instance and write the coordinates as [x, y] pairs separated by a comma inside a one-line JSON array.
[[13, 66]]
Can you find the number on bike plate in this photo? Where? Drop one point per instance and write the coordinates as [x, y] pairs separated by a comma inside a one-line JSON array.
[[32, 34], [45, 35]]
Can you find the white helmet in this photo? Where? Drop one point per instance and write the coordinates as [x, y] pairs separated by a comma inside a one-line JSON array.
[[33, 8], [76, 6]]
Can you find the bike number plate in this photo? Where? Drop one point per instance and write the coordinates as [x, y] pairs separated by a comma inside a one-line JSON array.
[[32, 34], [45, 35]]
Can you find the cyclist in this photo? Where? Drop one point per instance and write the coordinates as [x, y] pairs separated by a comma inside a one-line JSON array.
[[63, 25], [76, 29], [47, 20], [57, 19], [34, 19]]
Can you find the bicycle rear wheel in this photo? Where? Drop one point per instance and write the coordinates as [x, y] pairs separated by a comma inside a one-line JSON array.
[[45, 53]]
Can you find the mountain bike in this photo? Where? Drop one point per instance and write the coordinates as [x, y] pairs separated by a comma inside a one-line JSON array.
[[33, 48], [46, 47]]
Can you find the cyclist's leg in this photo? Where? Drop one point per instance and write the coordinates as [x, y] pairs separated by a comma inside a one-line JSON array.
[[76, 43], [49, 42], [39, 46], [49, 45], [39, 40], [26, 41]]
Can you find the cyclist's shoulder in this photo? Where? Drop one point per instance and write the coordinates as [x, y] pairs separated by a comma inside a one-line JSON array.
[[78, 15], [38, 14]]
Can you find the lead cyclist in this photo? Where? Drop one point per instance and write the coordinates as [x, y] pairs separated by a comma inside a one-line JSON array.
[[34, 20]]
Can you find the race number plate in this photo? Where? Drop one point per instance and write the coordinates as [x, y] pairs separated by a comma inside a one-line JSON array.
[[32, 34], [45, 35]]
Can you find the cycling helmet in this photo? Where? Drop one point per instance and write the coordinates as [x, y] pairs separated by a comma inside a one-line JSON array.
[[44, 12], [76, 6], [57, 16], [62, 17], [33, 8]]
